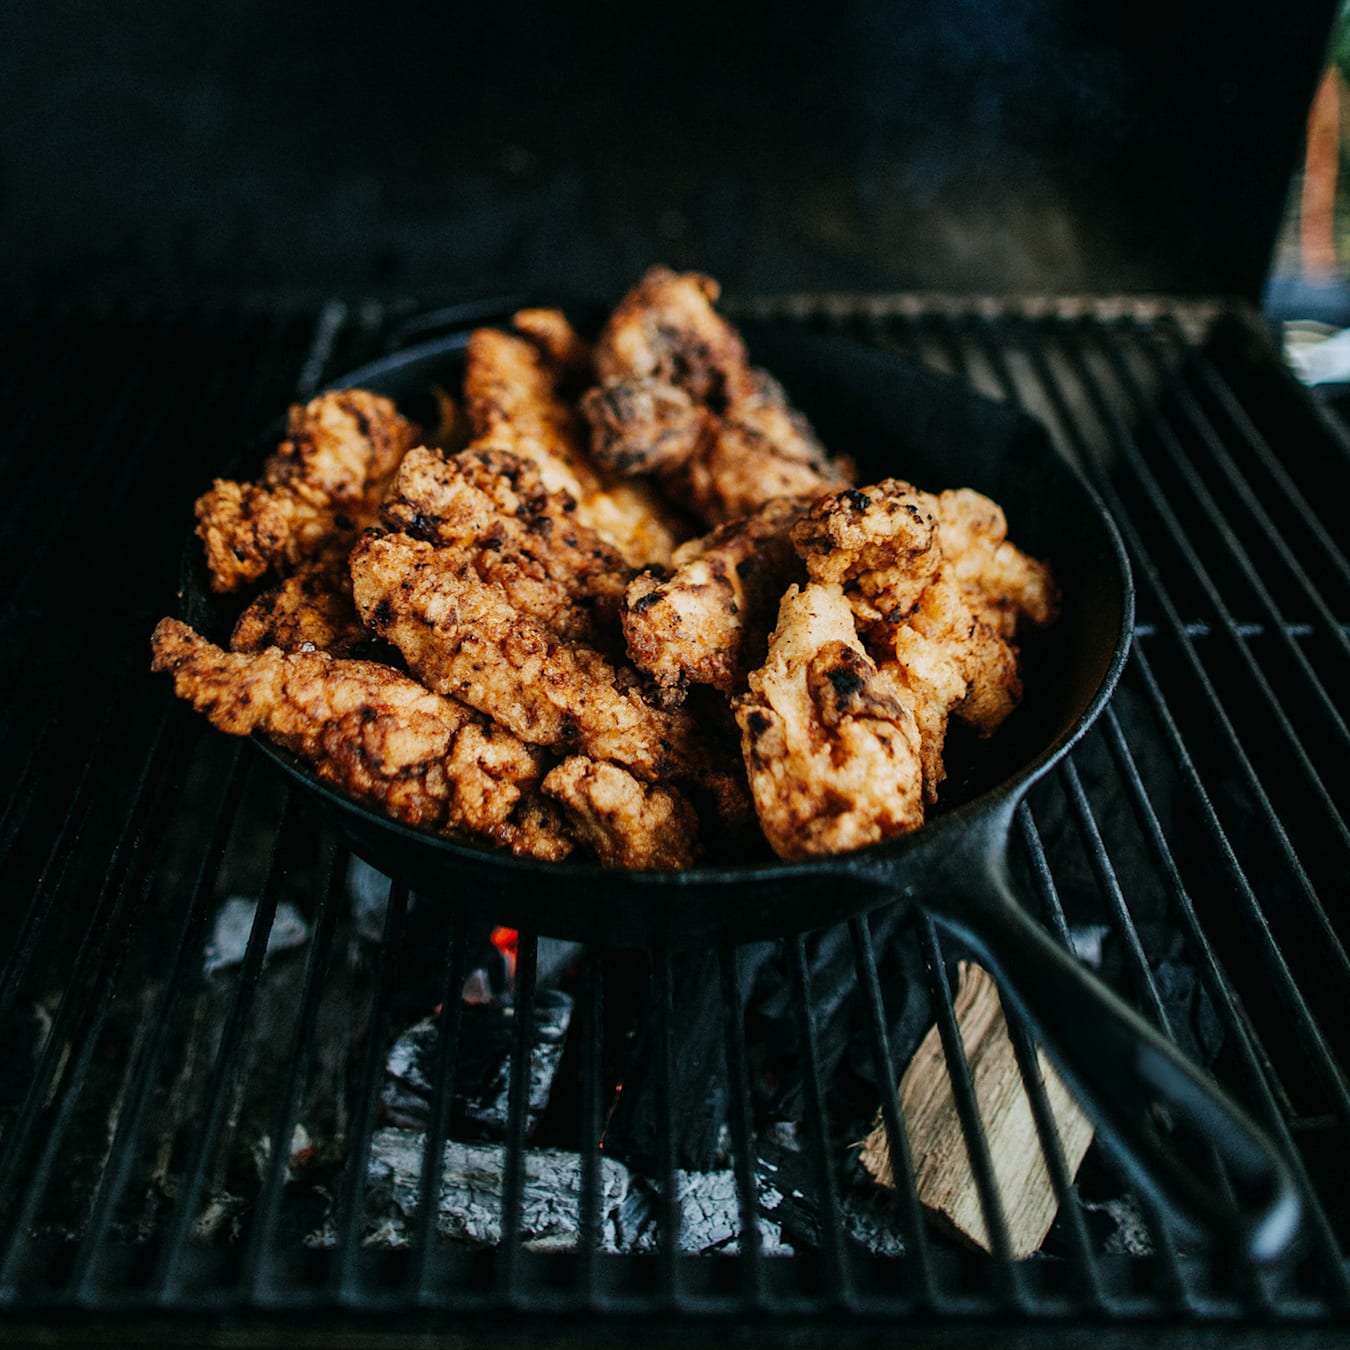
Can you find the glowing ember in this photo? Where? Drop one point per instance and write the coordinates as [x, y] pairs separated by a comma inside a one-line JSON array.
[[505, 939]]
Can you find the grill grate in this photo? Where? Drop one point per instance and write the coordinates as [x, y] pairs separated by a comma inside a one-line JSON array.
[[155, 1118]]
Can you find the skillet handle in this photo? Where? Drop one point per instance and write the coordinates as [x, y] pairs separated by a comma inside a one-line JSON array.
[[1118, 1067]]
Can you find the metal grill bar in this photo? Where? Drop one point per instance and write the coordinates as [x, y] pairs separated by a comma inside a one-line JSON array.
[[438, 1126], [1231, 736], [592, 1084], [1220, 990], [919, 1263], [665, 1139], [513, 1178], [817, 1124], [733, 1023], [168, 1267], [1252, 505], [115, 1175], [1223, 394], [344, 1276], [256, 1277], [1274, 620]]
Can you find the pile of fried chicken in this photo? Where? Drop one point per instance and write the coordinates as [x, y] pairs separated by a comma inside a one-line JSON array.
[[621, 603]]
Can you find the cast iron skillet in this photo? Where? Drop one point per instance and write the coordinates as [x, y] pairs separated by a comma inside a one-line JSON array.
[[894, 419]]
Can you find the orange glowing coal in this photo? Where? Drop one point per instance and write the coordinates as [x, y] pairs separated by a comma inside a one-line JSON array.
[[505, 940]]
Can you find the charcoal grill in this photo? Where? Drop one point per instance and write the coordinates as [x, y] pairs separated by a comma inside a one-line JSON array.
[[192, 1152]]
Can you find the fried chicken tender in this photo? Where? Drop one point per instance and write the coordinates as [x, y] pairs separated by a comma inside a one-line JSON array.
[[489, 510], [323, 483], [628, 823], [885, 546], [1004, 586], [311, 610], [512, 394], [760, 448], [666, 330], [463, 637], [678, 397], [378, 735], [832, 756], [707, 622]]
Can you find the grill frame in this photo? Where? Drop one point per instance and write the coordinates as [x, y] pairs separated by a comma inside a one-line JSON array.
[[1029, 353]]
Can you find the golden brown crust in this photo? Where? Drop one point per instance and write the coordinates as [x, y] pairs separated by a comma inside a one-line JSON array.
[[708, 620], [1004, 586], [677, 396], [514, 402], [310, 610], [832, 757], [626, 822], [489, 510], [462, 637], [322, 485], [378, 735]]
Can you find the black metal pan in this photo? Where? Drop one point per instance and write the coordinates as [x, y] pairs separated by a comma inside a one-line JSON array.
[[895, 420]]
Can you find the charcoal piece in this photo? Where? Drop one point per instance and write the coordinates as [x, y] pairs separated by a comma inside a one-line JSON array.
[[773, 1042], [709, 1216], [698, 1083], [479, 1108], [1190, 1012], [869, 1216], [470, 1201]]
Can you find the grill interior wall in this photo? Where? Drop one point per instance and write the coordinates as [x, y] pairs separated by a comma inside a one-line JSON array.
[[148, 1110]]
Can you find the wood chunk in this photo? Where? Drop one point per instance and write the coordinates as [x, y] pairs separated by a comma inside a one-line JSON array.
[[943, 1175]]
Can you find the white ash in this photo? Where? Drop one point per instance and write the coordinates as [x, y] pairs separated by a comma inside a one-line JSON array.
[[1130, 1235], [234, 922], [1086, 941], [470, 1200], [368, 891]]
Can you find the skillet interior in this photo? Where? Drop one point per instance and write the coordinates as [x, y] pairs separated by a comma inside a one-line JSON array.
[[894, 419]]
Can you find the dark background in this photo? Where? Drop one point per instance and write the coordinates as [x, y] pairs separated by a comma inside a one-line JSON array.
[[387, 149]]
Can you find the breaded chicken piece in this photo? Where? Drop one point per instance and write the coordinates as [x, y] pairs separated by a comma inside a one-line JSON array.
[[323, 484], [707, 622], [884, 545], [490, 510], [677, 396], [761, 448], [949, 663], [1004, 586], [832, 757], [626, 822], [666, 330], [567, 352], [644, 426], [462, 637], [310, 610], [880, 543], [376, 734], [513, 400]]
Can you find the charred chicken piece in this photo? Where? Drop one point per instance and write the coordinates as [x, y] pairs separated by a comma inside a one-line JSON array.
[[376, 734], [832, 755], [626, 822], [321, 486], [678, 397], [707, 622]]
